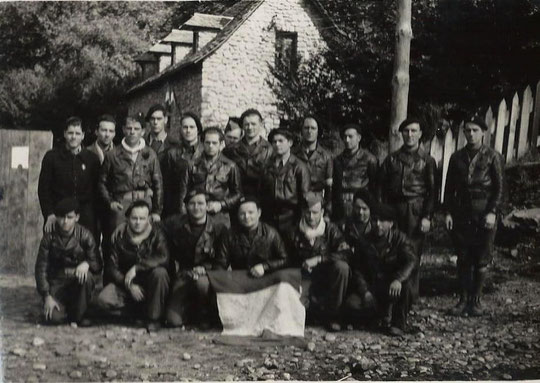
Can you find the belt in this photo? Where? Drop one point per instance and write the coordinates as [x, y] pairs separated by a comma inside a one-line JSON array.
[[133, 195]]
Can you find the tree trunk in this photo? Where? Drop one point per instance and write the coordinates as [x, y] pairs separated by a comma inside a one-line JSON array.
[[400, 79]]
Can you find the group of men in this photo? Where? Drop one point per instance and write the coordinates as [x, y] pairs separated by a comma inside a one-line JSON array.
[[168, 211]]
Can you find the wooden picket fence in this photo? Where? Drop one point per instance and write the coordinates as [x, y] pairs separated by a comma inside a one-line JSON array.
[[513, 128]]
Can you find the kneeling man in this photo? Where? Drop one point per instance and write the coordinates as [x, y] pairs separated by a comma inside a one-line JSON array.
[[137, 267], [66, 264]]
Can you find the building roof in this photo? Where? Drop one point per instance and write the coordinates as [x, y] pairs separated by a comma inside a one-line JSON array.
[[204, 21], [179, 36]]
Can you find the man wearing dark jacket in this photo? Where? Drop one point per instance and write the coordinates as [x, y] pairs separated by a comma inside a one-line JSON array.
[[137, 267], [69, 171], [320, 249], [66, 265], [382, 265], [472, 198]]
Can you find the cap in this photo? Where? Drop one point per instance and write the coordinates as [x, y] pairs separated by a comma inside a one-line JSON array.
[[312, 199], [350, 126], [65, 206], [384, 212], [249, 198], [281, 131]]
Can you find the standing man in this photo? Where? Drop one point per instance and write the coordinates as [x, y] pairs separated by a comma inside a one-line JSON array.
[[192, 240], [354, 169], [217, 175], [284, 182], [105, 133], [318, 160], [66, 265], [472, 199], [178, 161], [321, 251], [69, 171], [137, 267], [407, 182], [233, 131], [252, 152]]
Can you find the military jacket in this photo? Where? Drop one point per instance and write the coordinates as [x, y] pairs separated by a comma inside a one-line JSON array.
[[388, 258], [408, 175], [474, 187], [221, 180], [320, 165], [251, 160], [120, 175], [356, 171], [149, 254], [354, 231], [57, 253], [331, 246], [242, 252]]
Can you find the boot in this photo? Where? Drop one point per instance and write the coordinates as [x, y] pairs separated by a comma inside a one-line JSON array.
[[460, 308], [475, 307]]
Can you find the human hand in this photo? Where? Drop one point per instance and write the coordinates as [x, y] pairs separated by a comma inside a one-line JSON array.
[[49, 224], [395, 289], [449, 222], [490, 221], [49, 305], [214, 207], [369, 300], [116, 206], [257, 271], [310, 263], [198, 271], [425, 225], [155, 217], [136, 292], [81, 272], [128, 278]]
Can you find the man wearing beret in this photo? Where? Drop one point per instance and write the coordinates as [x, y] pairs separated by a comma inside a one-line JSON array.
[[318, 160], [354, 169], [137, 267], [284, 183], [407, 182], [66, 264], [382, 265], [70, 171], [192, 240], [217, 175], [472, 200], [321, 251]]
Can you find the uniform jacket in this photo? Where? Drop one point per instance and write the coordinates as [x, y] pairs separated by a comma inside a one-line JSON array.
[[55, 254], [320, 165], [388, 258], [409, 175], [354, 231], [187, 250], [64, 174], [250, 159], [151, 253], [474, 187], [353, 172], [221, 180], [331, 246], [98, 152], [119, 175], [241, 253], [166, 145]]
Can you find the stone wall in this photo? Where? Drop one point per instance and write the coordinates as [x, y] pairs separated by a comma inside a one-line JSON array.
[[234, 77]]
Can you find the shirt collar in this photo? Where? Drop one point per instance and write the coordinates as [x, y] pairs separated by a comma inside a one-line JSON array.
[[160, 137]]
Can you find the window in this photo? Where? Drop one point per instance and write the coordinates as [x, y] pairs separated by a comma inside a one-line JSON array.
[[286, 55]]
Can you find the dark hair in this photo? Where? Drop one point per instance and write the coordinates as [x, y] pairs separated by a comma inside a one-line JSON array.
[[136, 204], [155, 108], [193, 192], [134, 119], [73, 121], [106, 118], [250, 112], [247, 199], [195, 118], [474, 119], [235, 120], [282, 132], [350, 126], [409, 121], [214, 130]]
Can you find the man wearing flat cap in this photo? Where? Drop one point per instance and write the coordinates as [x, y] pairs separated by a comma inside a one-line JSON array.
[[192, 240], [320, 249], [472, 199], [382, 265], [407, 182], [284, 183], [354, 169], [66, 265]]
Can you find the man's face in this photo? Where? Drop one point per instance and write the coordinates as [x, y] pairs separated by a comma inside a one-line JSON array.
[[361, 210], [133, 132], [73, 136], [158, 120], [138, 220], [105, 132], [249, 215], [252, 126], [189, 130], [310, 130], [382, 227], [67, 222], [212, 144], [281, 145], [313, 215], [196, 207], [473, 134], [411, 135], [233, 136], [351, 139]]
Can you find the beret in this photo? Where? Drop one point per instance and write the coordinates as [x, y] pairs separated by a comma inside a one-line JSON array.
[[365, 196], [350, 126], [65, 206], [407, 122], [313, 199], [281, 131], [477, 121], [384, 212], [193, 192], [249, 198]]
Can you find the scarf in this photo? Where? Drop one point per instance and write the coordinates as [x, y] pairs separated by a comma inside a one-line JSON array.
[[137, 239], [310, 233], [140, 146]]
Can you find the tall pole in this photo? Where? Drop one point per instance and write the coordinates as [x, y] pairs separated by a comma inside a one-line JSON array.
[[400, 79]]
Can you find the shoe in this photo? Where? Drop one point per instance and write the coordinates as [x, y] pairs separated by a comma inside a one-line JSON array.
[[153, 326], [459, 309], [395, 331], [85, 323], [333, 327], [475, 307]]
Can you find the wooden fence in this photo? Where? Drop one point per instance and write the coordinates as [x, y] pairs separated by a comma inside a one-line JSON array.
[[513, 127]]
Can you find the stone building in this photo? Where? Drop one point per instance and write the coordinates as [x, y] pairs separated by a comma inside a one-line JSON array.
[[218, 65]]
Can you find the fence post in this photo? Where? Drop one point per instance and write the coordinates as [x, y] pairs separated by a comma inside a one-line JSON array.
[[502, 120], [527, 105], [490, 122], [514, 114], [449, 149], [536, 117]]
